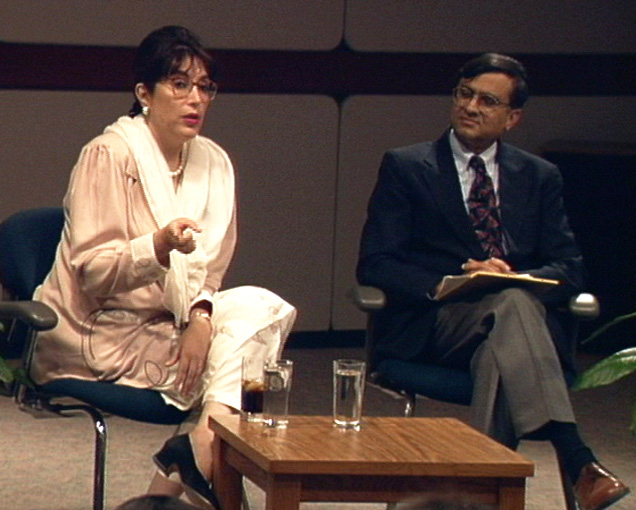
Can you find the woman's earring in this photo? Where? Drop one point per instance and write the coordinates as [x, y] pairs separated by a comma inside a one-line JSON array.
[[144, 110]]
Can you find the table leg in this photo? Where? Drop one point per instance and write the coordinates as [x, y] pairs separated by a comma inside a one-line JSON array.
[[512, 494], [227, 482], [282, 493]]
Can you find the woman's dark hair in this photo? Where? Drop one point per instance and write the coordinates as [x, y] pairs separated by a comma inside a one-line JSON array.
[[161, 54], [497, 63]]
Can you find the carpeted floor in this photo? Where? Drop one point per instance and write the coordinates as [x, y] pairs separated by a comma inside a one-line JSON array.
[[46, 464]]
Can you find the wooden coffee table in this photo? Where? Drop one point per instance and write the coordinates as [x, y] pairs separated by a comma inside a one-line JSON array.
[[388, 460]]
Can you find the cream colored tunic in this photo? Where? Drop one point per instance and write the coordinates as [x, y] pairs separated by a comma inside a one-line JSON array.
[[106, 286]]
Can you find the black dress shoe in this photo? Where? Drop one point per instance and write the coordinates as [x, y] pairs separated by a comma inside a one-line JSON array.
[[598, 488], [177, 456]]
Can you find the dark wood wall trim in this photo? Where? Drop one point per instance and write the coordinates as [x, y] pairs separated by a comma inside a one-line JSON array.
[[339, 73]]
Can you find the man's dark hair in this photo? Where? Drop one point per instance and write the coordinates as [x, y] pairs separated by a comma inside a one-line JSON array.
[[445, 503], [497, 63], [155, 502]]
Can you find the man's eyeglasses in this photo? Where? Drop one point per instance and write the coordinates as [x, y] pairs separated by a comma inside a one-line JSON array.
[[463, 94], [182, 87]]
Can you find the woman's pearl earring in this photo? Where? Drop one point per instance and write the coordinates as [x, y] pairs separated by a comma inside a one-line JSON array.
[[145, 110]]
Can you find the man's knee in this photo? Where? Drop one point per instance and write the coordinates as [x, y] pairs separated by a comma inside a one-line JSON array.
[[520, 298]]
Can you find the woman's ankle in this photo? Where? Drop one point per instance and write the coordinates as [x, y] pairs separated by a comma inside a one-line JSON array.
[[201, 439]]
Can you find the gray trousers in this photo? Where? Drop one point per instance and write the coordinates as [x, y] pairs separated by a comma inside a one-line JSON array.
[[518, 384]]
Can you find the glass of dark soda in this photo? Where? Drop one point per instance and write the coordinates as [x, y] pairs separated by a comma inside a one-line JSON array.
[[252, 388]]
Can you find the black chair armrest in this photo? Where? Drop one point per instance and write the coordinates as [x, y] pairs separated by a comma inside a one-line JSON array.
[[367, 298], [585, 306], [35, 314]]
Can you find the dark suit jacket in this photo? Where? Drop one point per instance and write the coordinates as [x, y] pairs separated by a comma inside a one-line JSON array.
[[418, 230]]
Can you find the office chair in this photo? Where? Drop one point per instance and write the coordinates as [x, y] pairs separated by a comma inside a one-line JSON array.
[[29, 239], [409, 379]]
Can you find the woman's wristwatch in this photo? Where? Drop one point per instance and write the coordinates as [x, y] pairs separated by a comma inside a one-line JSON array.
[[201, 312]]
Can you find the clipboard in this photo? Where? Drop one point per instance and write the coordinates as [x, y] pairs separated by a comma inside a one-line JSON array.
[[454, 286]]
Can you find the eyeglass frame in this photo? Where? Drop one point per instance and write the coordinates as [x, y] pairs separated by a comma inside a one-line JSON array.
[[480, 97], [208, 96]]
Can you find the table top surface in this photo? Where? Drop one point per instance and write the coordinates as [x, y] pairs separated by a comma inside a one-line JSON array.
[[382, 446]]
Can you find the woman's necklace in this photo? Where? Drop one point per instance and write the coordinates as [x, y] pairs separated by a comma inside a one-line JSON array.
[[179, 170]]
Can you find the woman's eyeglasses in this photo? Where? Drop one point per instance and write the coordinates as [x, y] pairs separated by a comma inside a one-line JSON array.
[[182, 87]]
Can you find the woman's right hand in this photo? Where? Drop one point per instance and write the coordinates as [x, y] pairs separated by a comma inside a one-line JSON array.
[[192, 354], [176, 235]]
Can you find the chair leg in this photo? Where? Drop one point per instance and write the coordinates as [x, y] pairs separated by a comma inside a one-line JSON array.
[[409, 406], [245, 504], [568, 488], [101, 437]]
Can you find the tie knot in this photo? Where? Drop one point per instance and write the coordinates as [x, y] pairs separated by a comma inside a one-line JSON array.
[[477, 164]]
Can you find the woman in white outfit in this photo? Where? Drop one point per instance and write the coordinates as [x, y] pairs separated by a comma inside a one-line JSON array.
[[149, 233]]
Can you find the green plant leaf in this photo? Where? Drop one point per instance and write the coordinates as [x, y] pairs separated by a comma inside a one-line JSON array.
[[608, 370], [610, 324], [6, 372], [22, 377]]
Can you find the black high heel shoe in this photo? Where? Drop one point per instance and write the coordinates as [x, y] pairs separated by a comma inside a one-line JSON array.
[[177, 455]]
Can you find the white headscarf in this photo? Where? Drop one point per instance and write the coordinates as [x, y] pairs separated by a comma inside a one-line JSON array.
[[206, 195]]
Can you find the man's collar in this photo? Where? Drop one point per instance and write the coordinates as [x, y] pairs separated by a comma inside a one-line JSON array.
[[463, 155]]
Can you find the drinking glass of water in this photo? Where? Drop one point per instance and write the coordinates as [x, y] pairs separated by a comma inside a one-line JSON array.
[[348, 392], [278, 379]]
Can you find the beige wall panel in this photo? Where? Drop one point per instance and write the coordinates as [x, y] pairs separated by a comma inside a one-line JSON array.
[[242, 24], [41, 135], [284, 150], [556, 26], [598, 119], [371, 125]]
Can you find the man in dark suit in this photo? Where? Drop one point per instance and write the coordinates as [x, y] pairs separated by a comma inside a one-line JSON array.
[[468, 202]]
